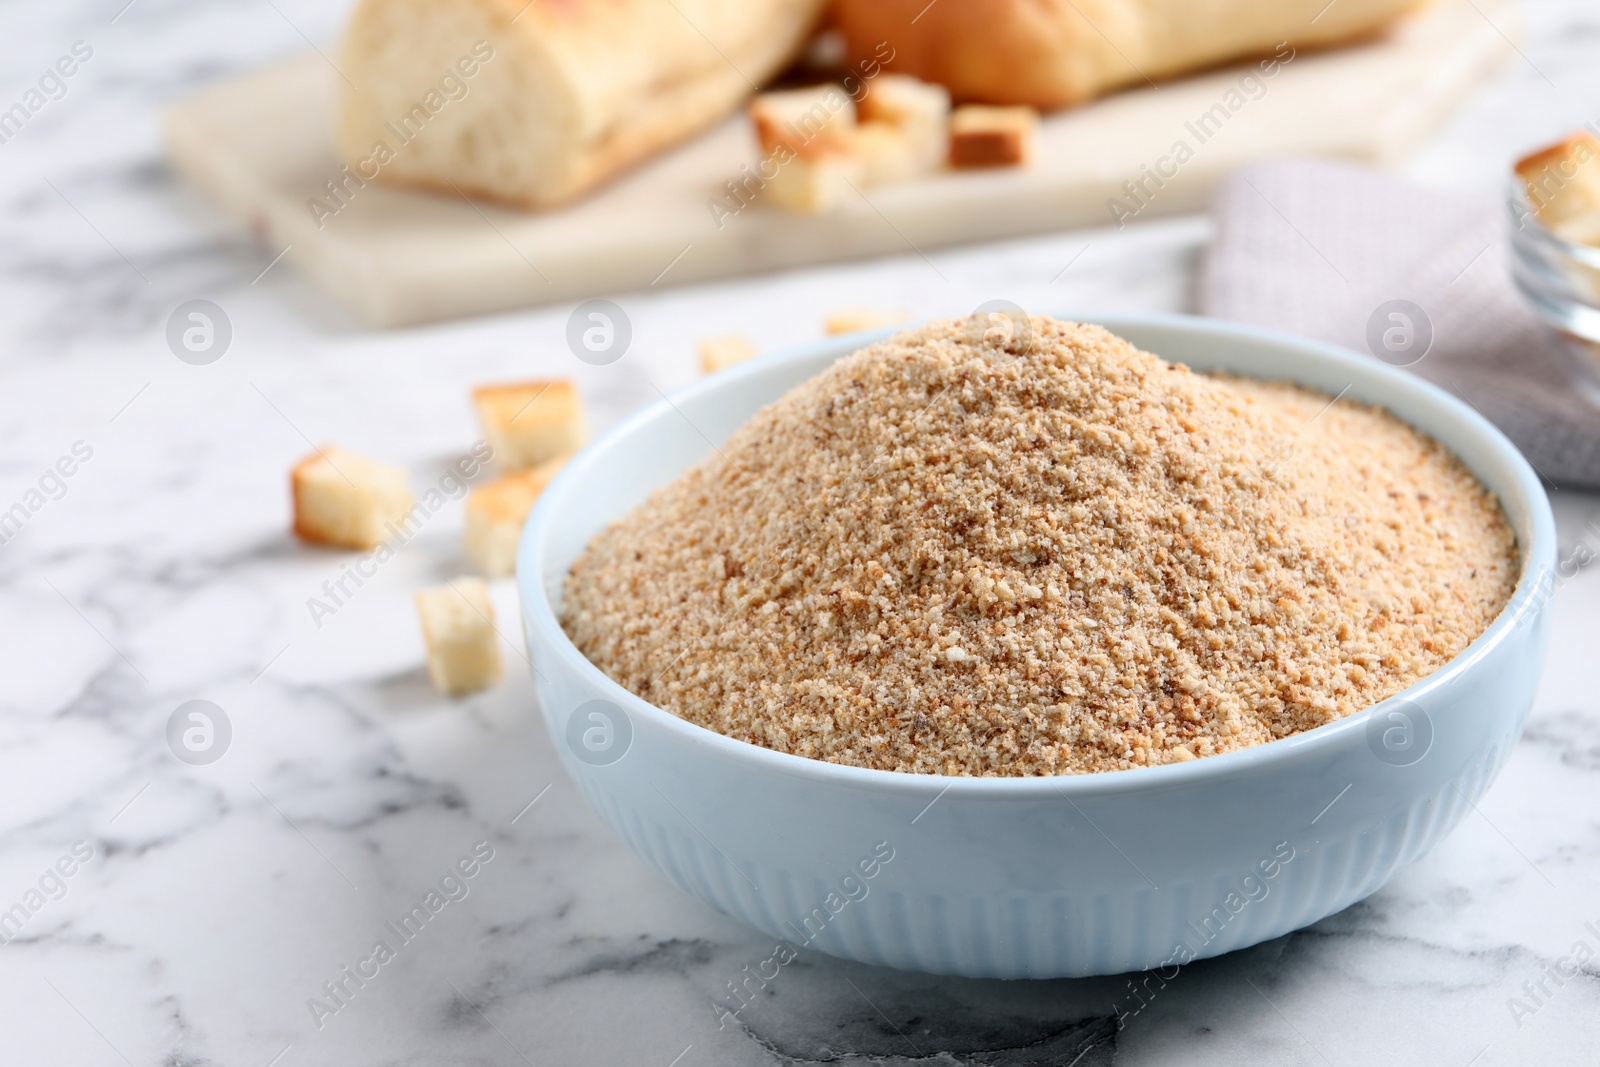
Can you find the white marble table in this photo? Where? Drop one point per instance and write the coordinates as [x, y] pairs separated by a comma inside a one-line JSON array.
[[207, 904]]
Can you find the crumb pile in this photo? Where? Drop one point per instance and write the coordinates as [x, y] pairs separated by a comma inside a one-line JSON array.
[[943, 556]]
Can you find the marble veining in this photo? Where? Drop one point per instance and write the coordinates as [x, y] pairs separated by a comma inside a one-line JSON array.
[[216, 901]]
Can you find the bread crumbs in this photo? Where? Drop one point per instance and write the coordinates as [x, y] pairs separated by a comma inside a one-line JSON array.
[[941, 556]]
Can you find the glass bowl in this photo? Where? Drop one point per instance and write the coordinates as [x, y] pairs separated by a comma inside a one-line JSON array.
[[1560, 278]]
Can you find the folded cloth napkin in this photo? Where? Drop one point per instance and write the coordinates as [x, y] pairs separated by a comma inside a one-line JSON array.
[[1348, 255]]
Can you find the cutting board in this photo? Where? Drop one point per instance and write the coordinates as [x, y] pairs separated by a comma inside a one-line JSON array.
[[262, 148]]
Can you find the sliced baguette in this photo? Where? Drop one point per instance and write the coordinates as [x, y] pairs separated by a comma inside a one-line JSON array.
[[546, 100]]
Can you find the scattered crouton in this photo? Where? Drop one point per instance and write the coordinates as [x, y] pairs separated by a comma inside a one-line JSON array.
[[904, 101], [1563, 182], [919, 110], [826, 151], [458, 628], [528, 423], [886, 154], [815, 187], [722, 352], [496, 513], [347, 500], [992, 136], [808, 123], [854, 320]]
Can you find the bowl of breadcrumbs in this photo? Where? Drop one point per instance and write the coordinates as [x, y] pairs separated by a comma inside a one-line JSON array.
[[1020, 647]]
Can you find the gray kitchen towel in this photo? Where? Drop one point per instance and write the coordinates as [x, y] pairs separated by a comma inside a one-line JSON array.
[[1420, 277]]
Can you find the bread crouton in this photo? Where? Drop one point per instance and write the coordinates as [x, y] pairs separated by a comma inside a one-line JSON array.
[[815, 187], [496, 513], [723, 351], [992, 136], [527, 423], [854, 320], [1563, 180], [347, 500], [458, 628], [808, 123], [919, 110], [886, 154]]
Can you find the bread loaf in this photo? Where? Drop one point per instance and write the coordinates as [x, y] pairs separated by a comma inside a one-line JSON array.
[[532, 103], [1056, 53]]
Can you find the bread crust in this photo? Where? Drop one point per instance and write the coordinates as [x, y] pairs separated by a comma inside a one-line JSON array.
[[1058, 53]]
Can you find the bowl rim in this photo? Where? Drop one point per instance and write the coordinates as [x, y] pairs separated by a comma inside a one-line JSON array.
[[1536, 561]]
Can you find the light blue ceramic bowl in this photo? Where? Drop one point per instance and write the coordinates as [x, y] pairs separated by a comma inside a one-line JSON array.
[[1035, 877]]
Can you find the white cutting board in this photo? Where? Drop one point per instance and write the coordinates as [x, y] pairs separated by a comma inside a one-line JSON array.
[[262, 146]]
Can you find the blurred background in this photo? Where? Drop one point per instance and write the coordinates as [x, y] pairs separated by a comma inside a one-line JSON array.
[[212, 898]]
